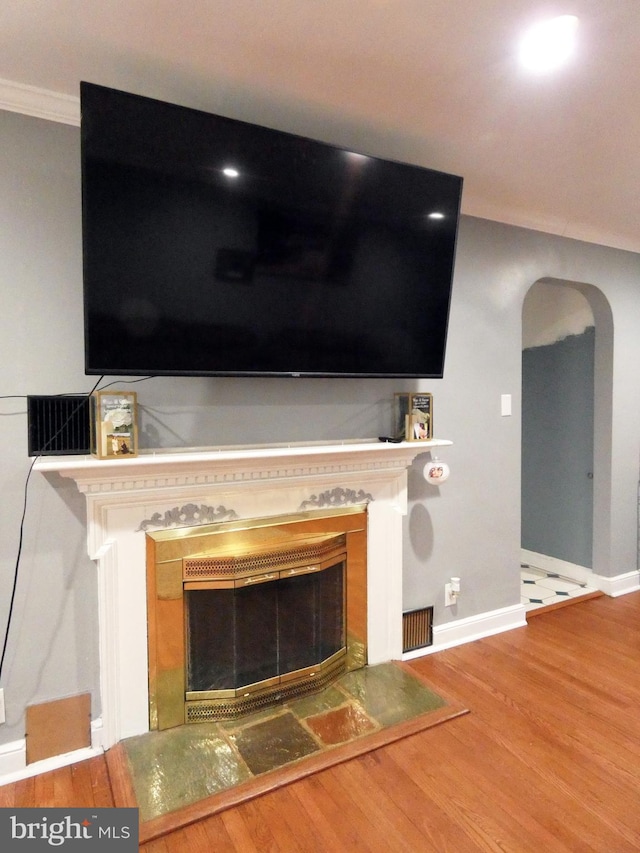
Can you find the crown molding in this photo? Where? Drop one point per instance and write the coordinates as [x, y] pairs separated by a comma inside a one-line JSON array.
[[41, 103], [484, 208]]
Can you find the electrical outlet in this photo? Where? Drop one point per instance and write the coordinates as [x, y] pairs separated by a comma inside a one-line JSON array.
[[2, 717], [450, 597]]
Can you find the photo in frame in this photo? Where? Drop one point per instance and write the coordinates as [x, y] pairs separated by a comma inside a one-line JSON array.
[[413, 416], [420, 423], [419, 418], [114, 428]]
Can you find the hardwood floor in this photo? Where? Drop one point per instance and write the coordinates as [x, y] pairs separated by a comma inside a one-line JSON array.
[[548, 759]]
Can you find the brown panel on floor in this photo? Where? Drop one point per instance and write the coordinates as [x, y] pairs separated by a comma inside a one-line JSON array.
[[54, 728]]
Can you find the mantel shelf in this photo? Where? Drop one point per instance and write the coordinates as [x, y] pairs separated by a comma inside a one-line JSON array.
[[245, 462]]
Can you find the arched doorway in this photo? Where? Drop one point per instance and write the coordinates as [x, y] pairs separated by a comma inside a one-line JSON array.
[[566, 427]]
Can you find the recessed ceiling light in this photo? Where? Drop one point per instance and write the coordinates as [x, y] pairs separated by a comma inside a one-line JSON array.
[[436, 215], [230, 172], [549, 44]]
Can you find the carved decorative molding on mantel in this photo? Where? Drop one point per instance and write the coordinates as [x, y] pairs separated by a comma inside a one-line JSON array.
[[188, 516], [337, 497]]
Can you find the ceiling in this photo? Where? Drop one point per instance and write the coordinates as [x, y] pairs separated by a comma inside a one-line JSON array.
[[432, 82]]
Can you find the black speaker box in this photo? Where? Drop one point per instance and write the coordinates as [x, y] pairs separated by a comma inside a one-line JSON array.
[[59, 425]]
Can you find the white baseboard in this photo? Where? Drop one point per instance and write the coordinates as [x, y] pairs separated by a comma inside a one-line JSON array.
[[613, 586], [620, 584], [13, 757], [472, 628]]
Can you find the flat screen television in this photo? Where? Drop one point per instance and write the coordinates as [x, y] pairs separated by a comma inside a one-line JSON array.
[[215, 247]]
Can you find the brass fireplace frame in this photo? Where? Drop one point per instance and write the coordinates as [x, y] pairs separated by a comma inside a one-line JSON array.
[[239, 552]]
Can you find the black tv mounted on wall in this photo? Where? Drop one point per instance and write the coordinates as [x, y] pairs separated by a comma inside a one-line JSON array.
[[215, 247]]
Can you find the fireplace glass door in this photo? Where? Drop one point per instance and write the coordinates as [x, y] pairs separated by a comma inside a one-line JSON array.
[[259, 633]]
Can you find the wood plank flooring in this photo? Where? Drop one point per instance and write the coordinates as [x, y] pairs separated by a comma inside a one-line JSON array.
[[548, 759]]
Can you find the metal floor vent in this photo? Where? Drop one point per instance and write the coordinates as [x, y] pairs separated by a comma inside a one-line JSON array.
[[58, 426], [417, 629]]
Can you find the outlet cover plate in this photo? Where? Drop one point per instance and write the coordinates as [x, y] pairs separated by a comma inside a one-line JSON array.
[[450, 597]]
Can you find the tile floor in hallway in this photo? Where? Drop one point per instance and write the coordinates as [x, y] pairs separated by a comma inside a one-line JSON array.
[[541, 588]]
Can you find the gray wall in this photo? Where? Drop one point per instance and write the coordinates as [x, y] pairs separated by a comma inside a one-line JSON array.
[[52, 649], [557, 448], [470, 526]]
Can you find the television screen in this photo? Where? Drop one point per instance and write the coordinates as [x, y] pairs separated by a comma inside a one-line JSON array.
[[215, 247]]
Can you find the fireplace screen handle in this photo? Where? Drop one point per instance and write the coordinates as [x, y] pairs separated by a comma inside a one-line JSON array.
[[305, 571], [259, 579], [273, 576]]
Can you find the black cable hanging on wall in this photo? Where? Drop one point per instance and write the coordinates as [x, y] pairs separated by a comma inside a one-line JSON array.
[[82, 403]]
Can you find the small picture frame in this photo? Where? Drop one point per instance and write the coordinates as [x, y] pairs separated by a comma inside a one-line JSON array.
[[114, 426], [413, 418]]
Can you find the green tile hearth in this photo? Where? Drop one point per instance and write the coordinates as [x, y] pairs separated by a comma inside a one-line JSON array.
[[273, 743], [388, 694], [174, 768], [177, 767]]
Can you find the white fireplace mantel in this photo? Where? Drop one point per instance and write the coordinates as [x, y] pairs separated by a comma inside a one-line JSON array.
[[127, 497]]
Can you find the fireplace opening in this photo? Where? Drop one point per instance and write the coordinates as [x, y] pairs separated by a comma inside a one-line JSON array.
[[263, 632], [248, 635], [243, 617]]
